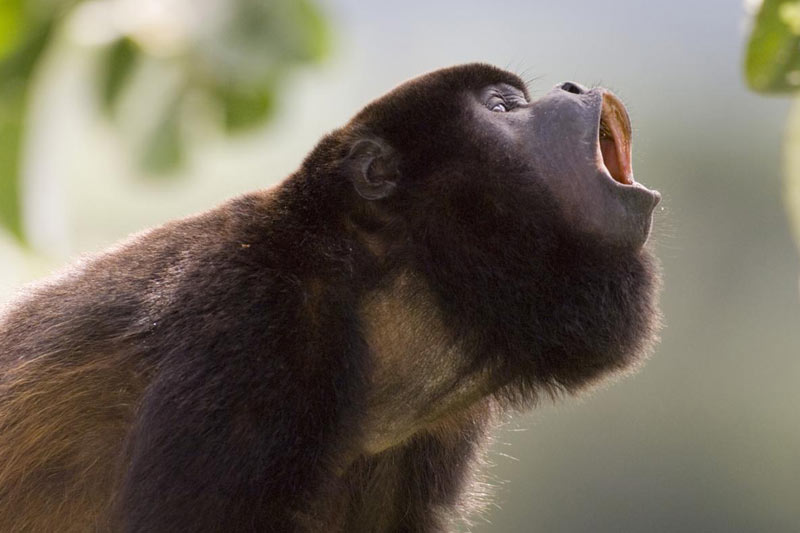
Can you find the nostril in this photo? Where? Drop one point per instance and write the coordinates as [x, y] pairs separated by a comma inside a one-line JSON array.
[[573, 88]]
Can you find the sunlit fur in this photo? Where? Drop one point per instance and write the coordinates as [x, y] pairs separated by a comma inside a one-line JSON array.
[[306, 359]]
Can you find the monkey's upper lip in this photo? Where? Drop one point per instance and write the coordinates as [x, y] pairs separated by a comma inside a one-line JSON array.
[[614, 140]]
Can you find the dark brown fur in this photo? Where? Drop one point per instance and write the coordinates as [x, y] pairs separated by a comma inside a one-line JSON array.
[[306, 358]]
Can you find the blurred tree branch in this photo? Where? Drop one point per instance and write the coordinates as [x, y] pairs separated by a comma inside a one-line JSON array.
[[233, 52]]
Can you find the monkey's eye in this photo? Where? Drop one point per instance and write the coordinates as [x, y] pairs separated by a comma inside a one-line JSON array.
[[502, 99]]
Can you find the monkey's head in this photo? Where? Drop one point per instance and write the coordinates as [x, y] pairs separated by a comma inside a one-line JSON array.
[[522, 216], [477, 124]]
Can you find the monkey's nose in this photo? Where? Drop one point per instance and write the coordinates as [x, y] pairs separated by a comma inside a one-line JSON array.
[[572, 87]]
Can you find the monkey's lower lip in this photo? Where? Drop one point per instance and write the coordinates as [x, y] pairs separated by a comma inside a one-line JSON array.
[[614, 140]]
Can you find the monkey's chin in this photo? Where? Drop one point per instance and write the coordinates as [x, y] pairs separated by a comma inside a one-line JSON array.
[[622, 214]]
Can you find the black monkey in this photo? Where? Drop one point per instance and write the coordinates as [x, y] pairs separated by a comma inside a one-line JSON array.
[[328, 355]]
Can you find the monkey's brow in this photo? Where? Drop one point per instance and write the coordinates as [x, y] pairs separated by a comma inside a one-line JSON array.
[[510, 90]]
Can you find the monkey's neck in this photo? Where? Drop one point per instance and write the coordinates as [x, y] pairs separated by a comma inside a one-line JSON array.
[[417, 378]]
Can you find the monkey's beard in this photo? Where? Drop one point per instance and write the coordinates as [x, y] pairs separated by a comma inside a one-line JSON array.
[[540, 310], [593, 314]]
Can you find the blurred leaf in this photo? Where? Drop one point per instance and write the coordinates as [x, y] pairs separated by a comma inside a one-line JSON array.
[[245, 109], [314, 29], [21, 62], [256, 41], [163, 152], [11, 15], [117, 67], [12, 111], [772, 62], [15, 74], [251, 50]]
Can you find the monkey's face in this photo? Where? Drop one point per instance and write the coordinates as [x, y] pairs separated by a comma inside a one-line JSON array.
[[578, 143], [476, 127]]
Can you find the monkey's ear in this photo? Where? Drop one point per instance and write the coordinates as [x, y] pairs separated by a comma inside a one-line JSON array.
[[372, 167]]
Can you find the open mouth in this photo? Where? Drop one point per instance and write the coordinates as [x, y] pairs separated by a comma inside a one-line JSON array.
[[614, 140], [586, 164]]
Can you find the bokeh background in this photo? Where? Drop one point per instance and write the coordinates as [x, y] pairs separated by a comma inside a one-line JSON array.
[[706, 437]]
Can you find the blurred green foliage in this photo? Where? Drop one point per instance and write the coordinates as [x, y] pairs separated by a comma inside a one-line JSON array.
[[232, 52], [10, 23], [772, 62], [24, 33], [772, 65]]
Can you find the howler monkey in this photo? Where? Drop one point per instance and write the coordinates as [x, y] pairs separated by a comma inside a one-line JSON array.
[[328, 355]]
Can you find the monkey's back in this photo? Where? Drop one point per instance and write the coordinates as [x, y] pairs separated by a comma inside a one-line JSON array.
[[76, 359]]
